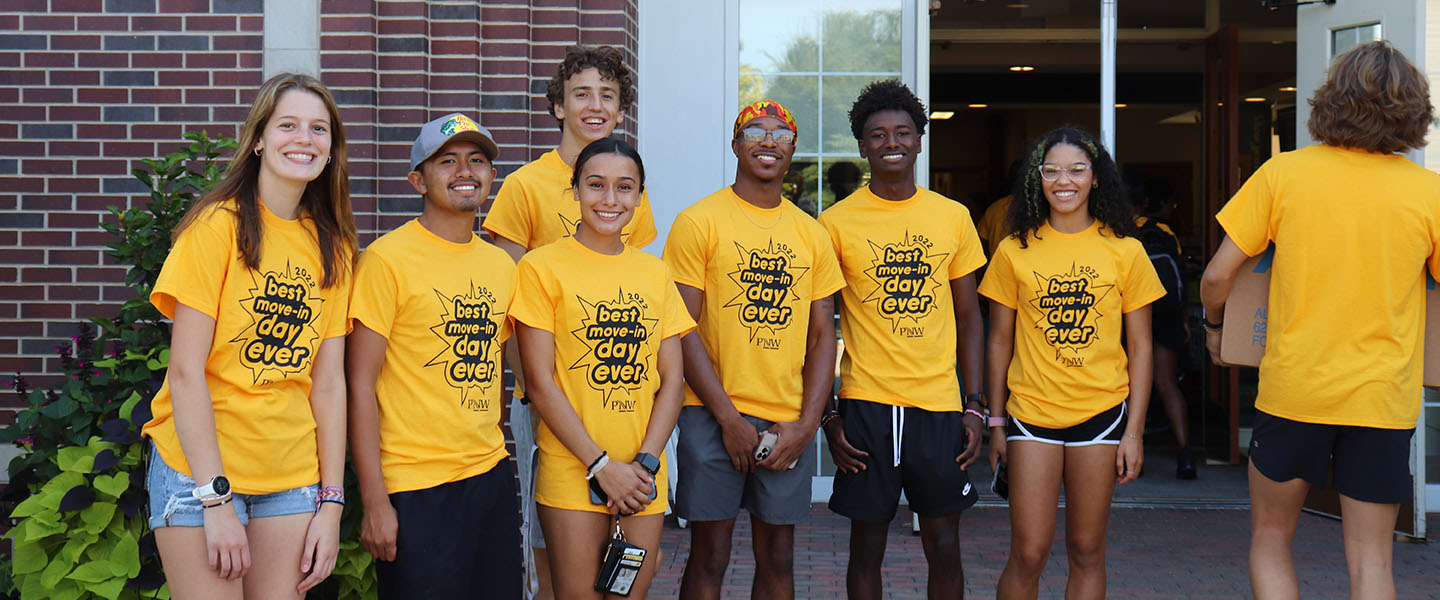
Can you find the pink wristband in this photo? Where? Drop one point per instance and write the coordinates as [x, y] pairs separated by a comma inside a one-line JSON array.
[[971, 411], [996, 422]]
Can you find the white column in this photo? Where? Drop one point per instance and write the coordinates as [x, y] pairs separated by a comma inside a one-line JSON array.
[[292, 37], [1109, 21]]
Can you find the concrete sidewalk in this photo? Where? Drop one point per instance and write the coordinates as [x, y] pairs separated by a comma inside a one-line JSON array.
[[1153, 553]]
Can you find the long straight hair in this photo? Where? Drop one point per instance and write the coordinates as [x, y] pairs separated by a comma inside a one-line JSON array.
[[325, 200]]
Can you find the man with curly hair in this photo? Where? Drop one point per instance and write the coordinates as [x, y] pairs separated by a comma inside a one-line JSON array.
[[907, 311], [589, 94]]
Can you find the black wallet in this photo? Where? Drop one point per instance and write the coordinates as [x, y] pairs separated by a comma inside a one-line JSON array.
[[620, 565]]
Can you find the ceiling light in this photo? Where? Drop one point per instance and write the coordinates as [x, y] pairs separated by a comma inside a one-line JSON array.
[[1289, 88], [941, 115], [1254, 99], [1017, 5], [977, 105], [1022, 68], [1121, 105]]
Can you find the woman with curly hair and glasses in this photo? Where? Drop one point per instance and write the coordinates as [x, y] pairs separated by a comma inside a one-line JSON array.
[[1067, 399], [1355, 225]]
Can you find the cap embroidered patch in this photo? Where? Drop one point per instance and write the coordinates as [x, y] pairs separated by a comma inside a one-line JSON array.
[[458, 123]]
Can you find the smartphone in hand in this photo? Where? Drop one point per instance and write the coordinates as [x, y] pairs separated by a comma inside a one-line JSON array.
[[1000, 484]]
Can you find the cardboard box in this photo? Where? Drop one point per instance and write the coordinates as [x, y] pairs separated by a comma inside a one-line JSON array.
[[1242, 342]]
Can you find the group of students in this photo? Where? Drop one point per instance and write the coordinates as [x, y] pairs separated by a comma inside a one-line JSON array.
[[280, 348]]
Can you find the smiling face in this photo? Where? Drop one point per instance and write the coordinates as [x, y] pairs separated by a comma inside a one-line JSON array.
[[890, 142], [295, 144], [608, 190], [456, 178], [1069, 193], [590, 108], [766, 160]]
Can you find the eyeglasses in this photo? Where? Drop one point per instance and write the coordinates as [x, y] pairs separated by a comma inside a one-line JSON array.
[[755, 135], [1077, 171]]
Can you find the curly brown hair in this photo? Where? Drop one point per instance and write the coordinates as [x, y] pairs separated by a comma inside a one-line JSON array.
[[1373, 100], [609, 60]]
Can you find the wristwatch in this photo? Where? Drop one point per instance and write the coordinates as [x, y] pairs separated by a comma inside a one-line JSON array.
[[648, 462], [219, 486], [977, 398]]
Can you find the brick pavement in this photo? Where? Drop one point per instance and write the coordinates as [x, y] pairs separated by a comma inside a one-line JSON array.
[[1153, 553]]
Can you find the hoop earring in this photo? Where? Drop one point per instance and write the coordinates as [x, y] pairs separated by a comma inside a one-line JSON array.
[[257, 152], [327, 159]]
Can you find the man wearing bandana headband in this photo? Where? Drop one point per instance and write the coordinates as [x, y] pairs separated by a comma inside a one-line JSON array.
[[758, 275]]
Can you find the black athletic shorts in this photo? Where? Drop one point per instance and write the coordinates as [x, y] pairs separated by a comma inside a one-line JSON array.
[[1105, 428], [1167, 328], [934, 483], [1369, 464], [457, 540]]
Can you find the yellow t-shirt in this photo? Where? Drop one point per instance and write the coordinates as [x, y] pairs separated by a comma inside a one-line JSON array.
[[442, 308], [897, 314], [536, 206], [608, 315], [1353, 232], [268, 326], [1069, 292], [760, 269], [991, 226]]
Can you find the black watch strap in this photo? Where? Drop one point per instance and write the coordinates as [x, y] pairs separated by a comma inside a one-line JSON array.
[[977, 398], [648, 462]]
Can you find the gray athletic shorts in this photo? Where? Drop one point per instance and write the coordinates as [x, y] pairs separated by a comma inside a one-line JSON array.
[[710, 489]]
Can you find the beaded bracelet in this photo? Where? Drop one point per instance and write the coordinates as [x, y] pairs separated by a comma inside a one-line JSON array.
[[971, 411]]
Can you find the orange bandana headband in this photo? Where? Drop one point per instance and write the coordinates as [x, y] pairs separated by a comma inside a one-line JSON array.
[[765, 108]]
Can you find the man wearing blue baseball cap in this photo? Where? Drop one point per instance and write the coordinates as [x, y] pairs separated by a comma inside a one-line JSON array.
[[425, 375]]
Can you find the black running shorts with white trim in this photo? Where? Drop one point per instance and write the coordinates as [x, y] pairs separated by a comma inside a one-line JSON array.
[[1369, 464], [928, 443], [1105, 428]]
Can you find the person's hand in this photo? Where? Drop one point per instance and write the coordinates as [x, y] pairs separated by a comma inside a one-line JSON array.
[[846, 457], [1129, 459], [789, 445], [226, 548], [997, 447], [322, 546], [972, 441], [740, 440], [1212, 343], [378, 528], [627, 487]]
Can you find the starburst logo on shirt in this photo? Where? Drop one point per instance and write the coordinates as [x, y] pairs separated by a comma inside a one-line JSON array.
[[470, 327], [281, 338], [1067, 308], [766, 277], [904, 276], [617, 336]]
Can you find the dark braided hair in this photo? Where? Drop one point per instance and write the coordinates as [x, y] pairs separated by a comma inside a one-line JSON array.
[[1107, 203]]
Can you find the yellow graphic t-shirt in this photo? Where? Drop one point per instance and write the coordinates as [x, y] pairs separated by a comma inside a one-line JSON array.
[[991, 227], [1069, 292], [608, 315], [1354, 233], [442, 308], [268, 326], [897, 313], [760, 269], [536, 206]]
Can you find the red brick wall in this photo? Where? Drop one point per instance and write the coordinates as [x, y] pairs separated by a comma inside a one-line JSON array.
[[90, 87]]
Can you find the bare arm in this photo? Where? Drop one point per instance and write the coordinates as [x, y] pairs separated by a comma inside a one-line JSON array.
[[1215, 288], [364, 357], [327, 404], [970, 349], [997, 369], [739, 436], [1139, 348], [627, 489], [818, 382], [668, 398], [226, 546], [511, 352]]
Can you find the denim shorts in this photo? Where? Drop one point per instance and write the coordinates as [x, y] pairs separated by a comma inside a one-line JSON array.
[[171, 504]]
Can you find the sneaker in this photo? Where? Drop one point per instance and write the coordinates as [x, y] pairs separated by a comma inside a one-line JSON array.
[[1185, 465]]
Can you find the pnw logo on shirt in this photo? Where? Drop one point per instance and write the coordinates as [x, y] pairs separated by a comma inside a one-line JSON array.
[[617, 334], [470, 329], [1067, 306], [280, 340], [766, 277], [904, 275]]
